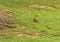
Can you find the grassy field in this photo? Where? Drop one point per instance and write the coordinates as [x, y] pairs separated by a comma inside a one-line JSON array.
[[36, 21]]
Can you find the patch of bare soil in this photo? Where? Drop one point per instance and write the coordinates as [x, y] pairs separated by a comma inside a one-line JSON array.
[[42, 6], [36, 35], [6, 19]]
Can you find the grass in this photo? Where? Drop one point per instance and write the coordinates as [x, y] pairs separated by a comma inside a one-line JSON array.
[[48, 21]]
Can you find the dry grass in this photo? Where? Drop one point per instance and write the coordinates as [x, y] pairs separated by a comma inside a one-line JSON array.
[[42, 6], [36, 35]]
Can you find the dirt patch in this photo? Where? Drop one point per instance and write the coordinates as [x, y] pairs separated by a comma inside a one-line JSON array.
[[21, 35], [6, 19], [36, 35], [42, 6]]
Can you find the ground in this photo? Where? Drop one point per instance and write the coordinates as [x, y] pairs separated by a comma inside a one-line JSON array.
[[36, 21]]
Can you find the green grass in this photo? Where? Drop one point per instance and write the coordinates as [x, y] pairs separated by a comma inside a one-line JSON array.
[[29, 40], [49, 21]]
